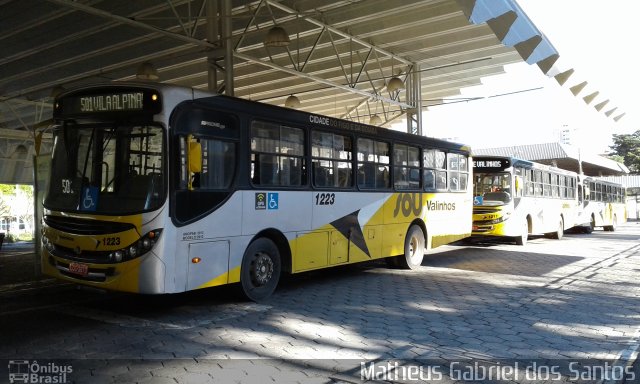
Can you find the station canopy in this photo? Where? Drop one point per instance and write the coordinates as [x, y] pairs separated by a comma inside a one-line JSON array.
[[372, 61]]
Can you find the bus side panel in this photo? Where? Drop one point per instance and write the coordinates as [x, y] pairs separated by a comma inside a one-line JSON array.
[[442, 219], [286, 211], [355, 223]]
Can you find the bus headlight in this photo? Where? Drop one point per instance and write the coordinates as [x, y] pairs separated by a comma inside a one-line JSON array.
[[48, 245], [136, 249]]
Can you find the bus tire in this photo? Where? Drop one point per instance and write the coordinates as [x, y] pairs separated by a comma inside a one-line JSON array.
[[559, 231], [588, 229], [612, 227], [260, 271], [592, 224], [522, 239], [414, 245]]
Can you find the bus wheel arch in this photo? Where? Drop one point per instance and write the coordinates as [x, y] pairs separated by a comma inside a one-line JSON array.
[[592, 224], [262, 265], [283, 246], [559, 232]]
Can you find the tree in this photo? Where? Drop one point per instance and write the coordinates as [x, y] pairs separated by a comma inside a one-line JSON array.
[[6, 192], [628, 147]]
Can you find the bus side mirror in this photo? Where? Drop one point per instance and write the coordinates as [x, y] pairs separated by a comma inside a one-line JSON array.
[[194, 154]]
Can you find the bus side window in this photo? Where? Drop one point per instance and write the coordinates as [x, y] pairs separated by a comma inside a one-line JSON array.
[[217, 165], [429, 180], [268, 170], [277, 154], [441, 180]]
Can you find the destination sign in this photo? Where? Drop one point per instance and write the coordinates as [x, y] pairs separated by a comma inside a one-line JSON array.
[[113, 102], [109, 100], [493, 164]]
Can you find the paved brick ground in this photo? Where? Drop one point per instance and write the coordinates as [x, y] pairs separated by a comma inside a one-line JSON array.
[[543, 306]]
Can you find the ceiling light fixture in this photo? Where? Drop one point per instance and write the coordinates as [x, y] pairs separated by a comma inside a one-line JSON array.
[[146, 71], [375, 120], [277, 37], [292, 102], [395, 84]]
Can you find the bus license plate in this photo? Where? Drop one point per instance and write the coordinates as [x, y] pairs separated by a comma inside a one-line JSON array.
[[79, 269]]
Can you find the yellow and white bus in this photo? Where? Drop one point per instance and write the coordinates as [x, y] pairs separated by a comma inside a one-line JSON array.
[[515, 198], [604, 205], [160, 189]]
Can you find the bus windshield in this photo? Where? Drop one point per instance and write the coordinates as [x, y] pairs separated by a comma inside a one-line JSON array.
[[107, 168], [493, 187]]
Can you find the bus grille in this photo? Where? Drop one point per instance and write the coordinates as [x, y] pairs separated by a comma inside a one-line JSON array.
[[97, 257], [85, 227]]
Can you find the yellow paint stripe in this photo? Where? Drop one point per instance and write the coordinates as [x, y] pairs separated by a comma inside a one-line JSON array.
[[233, 276]]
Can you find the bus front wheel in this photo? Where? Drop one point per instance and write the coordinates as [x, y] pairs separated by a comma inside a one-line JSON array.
[[522, 239], [413, 248], [592, 224], [260, 271]]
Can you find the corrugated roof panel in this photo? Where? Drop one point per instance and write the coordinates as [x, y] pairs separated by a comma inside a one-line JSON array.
[[550, 152]]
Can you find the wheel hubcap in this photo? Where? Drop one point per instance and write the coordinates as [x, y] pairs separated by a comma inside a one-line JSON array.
[[261, 269]]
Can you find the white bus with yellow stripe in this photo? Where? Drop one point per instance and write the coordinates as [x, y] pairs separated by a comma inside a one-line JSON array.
[[161, 189], [604, 205], [515, 198]]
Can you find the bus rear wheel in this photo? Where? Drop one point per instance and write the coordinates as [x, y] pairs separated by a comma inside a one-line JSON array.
[[414, 245], [260, 270]]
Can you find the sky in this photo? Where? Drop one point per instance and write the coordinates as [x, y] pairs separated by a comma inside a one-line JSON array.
[[596, 39]]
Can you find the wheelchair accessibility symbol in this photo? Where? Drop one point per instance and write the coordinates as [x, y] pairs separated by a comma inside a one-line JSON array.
[[272, 200], [89, 199]]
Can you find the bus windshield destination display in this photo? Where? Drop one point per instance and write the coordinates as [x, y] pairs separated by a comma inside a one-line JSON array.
[[493, 164], [109, 101], [114, 102]]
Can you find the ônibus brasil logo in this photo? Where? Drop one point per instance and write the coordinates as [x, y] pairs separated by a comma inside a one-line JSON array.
[[25, 371]]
